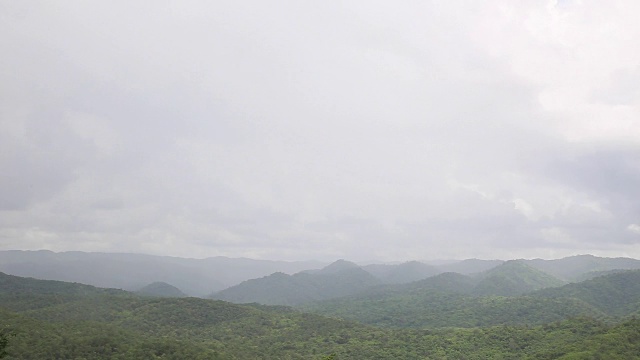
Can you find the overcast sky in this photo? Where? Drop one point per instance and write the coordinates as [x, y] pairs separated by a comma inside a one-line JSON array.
[[387, 130]]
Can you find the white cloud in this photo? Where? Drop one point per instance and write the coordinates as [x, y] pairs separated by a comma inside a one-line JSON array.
[[360, 129], [634, 228]]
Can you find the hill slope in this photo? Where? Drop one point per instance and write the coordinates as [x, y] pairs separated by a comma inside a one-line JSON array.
[[281, 289], [577, 267], [161, 289], [402, 273], [470, 266], [616, 294], [447, 300], [99, 325], [513, 278], [195, 277]]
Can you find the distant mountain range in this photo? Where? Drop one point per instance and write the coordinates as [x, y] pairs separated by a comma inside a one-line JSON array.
[[195, 277], [581, 267], [246, 280], [338, 279], [344, 278]]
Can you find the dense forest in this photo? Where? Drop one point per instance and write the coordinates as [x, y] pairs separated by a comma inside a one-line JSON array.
[[446, 316]]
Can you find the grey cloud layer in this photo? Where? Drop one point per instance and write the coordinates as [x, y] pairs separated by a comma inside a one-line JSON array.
[[319, 130]]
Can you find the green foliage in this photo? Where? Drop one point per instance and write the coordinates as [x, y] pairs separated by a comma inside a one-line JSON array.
[[283, 289], [616, 294], [4, 341], [101, 325], [433, 309], [402, 273], [203, 329], [514, 278], [16, 285], [161, 289]]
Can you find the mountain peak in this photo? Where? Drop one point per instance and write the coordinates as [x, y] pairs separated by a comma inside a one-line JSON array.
[[514, 277], [338, 266], [161, 289]]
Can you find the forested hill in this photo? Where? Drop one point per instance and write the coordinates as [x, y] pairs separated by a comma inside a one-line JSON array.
[[16, 285], [456, 300], [581, 267], [106, 324], [513, 278], [343, 279], [402, 273], [161, 289], [448, 300], [617, 294], [202, 277], [470, 266], [195, 277], [336, 280]]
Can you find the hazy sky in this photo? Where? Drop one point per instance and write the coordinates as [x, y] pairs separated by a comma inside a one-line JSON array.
[[296, 129]]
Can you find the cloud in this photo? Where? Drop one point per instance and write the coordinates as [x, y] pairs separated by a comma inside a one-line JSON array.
[[286, 130]]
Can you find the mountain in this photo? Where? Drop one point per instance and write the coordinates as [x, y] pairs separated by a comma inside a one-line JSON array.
[[575, 268], [196, 277], [21, 294], [11, 285], [161, 289], [447, 300], [594, 274], [452, 299], [337, 279], [200, 277], [512, 278], [402, 273], [446, 282], [337, 266], [95, 324], [616, 294], [470, 266]]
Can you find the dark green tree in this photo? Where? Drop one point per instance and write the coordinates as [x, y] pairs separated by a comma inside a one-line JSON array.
[[4, 341]]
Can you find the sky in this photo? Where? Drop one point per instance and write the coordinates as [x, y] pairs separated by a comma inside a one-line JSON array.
[[295, 130]]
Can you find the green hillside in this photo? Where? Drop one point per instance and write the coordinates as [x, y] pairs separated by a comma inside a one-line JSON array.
[[470, 266], [455, 300], [575, 268], [161, 289], [16, 285], [108, 325], [195, 277], [513, 278], [616, 294], [164, 330], [336, 280], [433, 309], [402, 273], [21, 294]]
